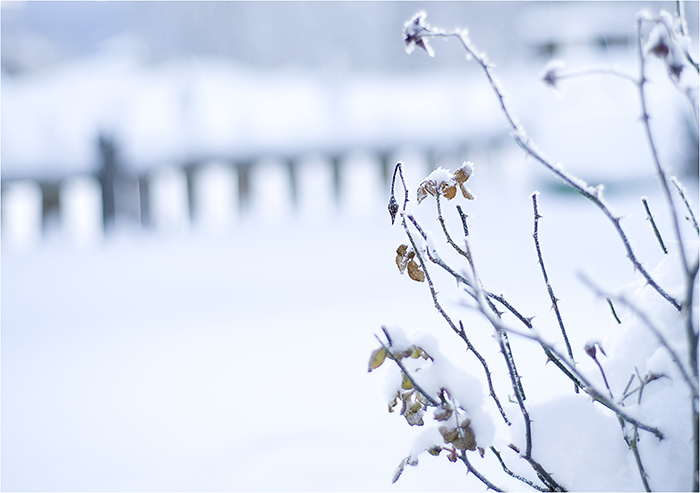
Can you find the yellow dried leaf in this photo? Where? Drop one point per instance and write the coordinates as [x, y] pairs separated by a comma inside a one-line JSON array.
[[377, 358], [416, 352], [406, 383], [415, 272]]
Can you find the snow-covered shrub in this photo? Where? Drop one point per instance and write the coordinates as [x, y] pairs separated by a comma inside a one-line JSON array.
[[640, 387]]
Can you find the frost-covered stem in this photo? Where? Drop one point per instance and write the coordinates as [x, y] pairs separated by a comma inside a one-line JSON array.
[[506, 344], [653, 225], [652, 148], [403, 369], [584, 382], [512, 474], [460, 332], [492, 315], [492, 391], [652, 327], [476, 473], [554, 299], [638, 458], [524, 142], [680, 12], [463, 217], [692, 336], [544, 476], [441, 219], [635, 438], [424, 267], [486, 67], [681, 192]]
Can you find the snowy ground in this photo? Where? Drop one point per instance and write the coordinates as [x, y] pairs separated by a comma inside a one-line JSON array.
[[232, 354], [238, 361]]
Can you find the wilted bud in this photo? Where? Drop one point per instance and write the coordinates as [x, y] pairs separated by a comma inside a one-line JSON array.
[[413, 34], [590, 350], [393, 208]]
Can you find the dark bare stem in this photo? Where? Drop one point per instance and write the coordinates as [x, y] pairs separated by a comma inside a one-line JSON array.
[[681, 192], [571, 368], [476, 473], [492, 316], [612, 309], [540, 259], [661, 173], [653, 225], [492, 391], [524, 142], [459, 331], [638, 459], [444, 227], [512, 474], [463, 217], [544, 476]]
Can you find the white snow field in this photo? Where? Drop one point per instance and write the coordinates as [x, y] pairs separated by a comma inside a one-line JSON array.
[[230, 354]]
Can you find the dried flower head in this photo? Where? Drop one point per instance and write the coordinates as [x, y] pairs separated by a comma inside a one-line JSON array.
[[413, 32], [445, 183]]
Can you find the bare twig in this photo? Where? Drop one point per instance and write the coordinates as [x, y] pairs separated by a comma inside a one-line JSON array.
[[524, 142], [516, 476], [554, 299], [660, 171], [653, 225], [681, 192], [476, 473], [612, 309]]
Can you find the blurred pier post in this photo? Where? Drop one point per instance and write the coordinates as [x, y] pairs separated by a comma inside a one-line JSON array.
[[107, 176]]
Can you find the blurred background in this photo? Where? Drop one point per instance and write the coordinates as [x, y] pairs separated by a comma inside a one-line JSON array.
[[196, 251]]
